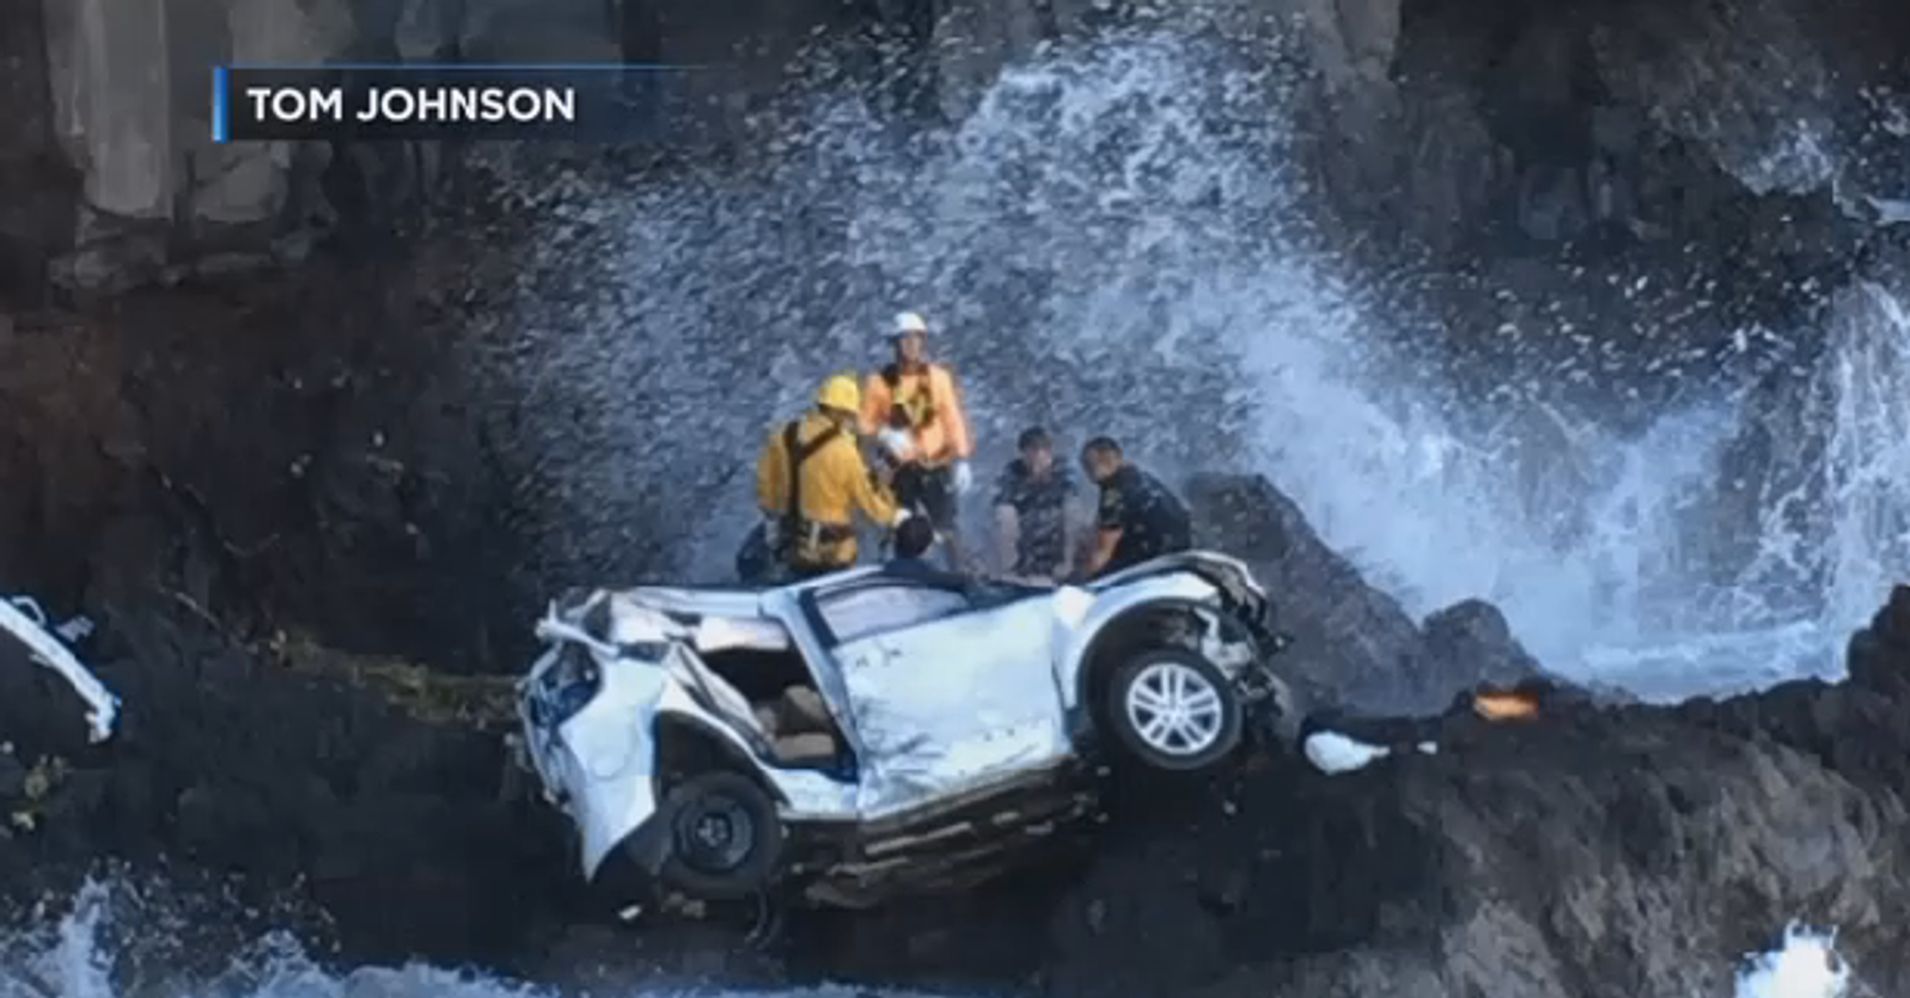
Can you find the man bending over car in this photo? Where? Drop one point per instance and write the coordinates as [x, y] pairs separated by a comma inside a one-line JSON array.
[[1139, 519]]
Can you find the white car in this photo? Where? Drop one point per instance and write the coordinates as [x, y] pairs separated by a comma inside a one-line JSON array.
[[852, 731]]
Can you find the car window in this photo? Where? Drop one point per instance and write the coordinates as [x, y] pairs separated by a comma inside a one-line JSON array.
[[868, 610]]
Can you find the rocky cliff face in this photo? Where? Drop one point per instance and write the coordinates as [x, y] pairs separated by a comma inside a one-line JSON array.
[[300, 475], [121, 100]]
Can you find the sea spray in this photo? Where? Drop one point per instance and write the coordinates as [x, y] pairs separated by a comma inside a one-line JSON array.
[[1117, 240], [1805, 965]]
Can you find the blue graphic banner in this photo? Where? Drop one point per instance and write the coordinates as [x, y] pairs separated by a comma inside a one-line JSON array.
[[604, 102]]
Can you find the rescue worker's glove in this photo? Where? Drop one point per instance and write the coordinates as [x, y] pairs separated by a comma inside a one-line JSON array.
[[902, 516], [964, 478], [896, 444]]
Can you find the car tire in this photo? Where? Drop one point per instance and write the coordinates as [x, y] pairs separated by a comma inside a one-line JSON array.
[[1173, 710], [725, 838]]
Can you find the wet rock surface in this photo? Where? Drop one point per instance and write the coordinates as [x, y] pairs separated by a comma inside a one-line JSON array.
[[274, 460], [318, 784], [1356, 646], [1594, 851]]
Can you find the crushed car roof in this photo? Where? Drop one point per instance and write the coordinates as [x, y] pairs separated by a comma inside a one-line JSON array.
[[701, 602], [732, 601], [709, 619]]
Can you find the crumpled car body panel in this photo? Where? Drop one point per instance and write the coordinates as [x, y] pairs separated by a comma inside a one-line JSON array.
[[952, 704]]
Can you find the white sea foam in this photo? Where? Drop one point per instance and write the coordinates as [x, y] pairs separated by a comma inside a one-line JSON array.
[[1805, 965]]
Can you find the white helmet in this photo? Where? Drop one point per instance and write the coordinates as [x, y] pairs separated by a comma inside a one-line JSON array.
[[909, 322]]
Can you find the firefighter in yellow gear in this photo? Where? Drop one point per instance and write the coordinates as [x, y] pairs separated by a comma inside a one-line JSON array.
[[811, 480]]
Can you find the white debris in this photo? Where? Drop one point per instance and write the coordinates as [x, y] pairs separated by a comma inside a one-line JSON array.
[[24, 619], [1805, 966], [1333, 753], [74, 630]]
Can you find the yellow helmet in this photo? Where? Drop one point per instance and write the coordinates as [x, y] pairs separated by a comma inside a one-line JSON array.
[[840, 392]]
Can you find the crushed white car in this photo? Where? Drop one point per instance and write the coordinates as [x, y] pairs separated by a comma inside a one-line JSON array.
[[27, 623], [853, 731]]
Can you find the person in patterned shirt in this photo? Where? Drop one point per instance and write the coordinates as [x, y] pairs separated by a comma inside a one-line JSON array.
[[1036, 526]]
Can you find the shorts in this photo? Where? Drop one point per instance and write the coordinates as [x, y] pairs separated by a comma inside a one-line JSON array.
[[929, 492]]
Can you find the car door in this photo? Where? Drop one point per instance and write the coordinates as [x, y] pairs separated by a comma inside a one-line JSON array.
[[947, 694]]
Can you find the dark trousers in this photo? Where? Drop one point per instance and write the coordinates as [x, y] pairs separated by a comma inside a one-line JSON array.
[[928, 491]]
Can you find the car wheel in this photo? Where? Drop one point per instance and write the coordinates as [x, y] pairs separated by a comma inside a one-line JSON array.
[[726, 840], [1174, 710]]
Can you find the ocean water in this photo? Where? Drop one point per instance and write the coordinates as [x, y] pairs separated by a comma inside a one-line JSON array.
[[112, 942]]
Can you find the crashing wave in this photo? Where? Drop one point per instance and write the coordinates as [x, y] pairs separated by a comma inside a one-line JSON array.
[[1804, 965]]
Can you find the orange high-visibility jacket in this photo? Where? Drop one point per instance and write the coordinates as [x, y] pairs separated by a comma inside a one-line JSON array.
[[932, 406]]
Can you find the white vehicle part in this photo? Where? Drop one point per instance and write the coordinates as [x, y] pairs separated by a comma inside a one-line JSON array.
[[715, 634], [26, 621], [555, 628], [604, 757], [535, 744], [823, 667], [1071, 606], [599, 763], [731, 705], [632, 622], [1179, 587], [808, 794], [952, 704], [697, 602], [1182, 563], [1230, 656], [639, 616]]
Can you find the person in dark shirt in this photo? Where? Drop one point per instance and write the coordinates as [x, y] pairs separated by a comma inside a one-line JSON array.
[[912, 542], [1033, 500], [1139, 518]]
